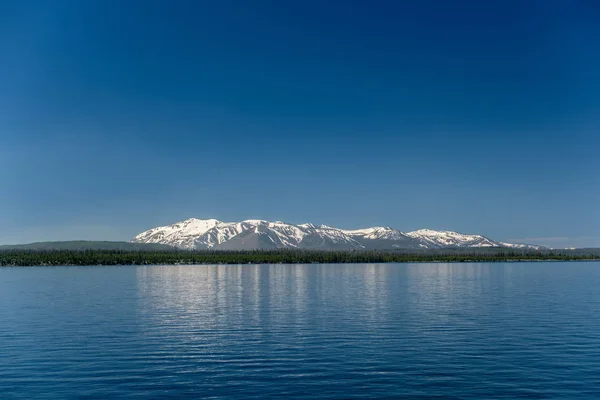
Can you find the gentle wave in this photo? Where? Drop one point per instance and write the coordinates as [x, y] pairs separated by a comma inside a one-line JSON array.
[[462, 331]]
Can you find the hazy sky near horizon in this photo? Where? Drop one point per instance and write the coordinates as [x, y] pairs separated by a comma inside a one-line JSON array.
[[474, 116]]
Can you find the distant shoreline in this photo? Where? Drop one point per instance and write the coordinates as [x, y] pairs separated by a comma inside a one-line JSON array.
[[14, 258], [297, 263]]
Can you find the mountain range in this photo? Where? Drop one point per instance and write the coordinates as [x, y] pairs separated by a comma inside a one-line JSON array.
[[198, 234]]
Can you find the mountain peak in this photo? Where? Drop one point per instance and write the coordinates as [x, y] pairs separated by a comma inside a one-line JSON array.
[[201, 221], [307, 226]]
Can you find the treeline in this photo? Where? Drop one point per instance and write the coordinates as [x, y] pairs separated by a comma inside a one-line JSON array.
[[120, 257]]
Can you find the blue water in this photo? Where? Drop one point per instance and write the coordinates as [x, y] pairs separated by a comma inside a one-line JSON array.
[[452, 331]]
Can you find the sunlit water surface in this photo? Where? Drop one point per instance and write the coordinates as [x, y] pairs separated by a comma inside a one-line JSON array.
[[453, 331]]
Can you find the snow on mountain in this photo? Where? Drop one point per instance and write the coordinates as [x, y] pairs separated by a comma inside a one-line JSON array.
[[181, 234], [259, 234], [307, 226], [380, 237], [522, 246], [326, 238], [378, 232], [440, 239]]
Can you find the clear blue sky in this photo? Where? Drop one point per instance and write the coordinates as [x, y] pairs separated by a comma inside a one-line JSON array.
[[475, 116]]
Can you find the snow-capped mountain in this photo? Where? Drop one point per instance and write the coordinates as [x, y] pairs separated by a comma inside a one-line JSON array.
[[196, 234], [381, 237], [181, 234], [523, 246], [441, 239]]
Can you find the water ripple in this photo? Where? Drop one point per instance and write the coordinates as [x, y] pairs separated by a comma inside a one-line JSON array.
[[451, 331]]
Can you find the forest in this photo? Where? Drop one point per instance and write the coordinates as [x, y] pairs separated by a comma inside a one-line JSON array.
[[19, 257]]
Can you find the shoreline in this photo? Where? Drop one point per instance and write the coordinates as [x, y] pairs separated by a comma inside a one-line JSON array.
[[524, 261]]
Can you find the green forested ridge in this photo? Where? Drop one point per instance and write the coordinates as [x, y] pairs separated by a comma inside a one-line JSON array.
[[19, 257], [88, 245]]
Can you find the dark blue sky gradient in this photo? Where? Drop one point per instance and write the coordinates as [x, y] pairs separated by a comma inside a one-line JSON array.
[[476, 116]]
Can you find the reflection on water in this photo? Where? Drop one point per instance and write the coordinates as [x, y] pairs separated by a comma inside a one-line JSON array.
[[243, 296], [313, 331]]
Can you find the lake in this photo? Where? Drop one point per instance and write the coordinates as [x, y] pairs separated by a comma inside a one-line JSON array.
[[452, 331]]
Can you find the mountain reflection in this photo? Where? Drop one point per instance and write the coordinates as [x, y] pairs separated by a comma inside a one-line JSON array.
[[262, 295], [291, 304]]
